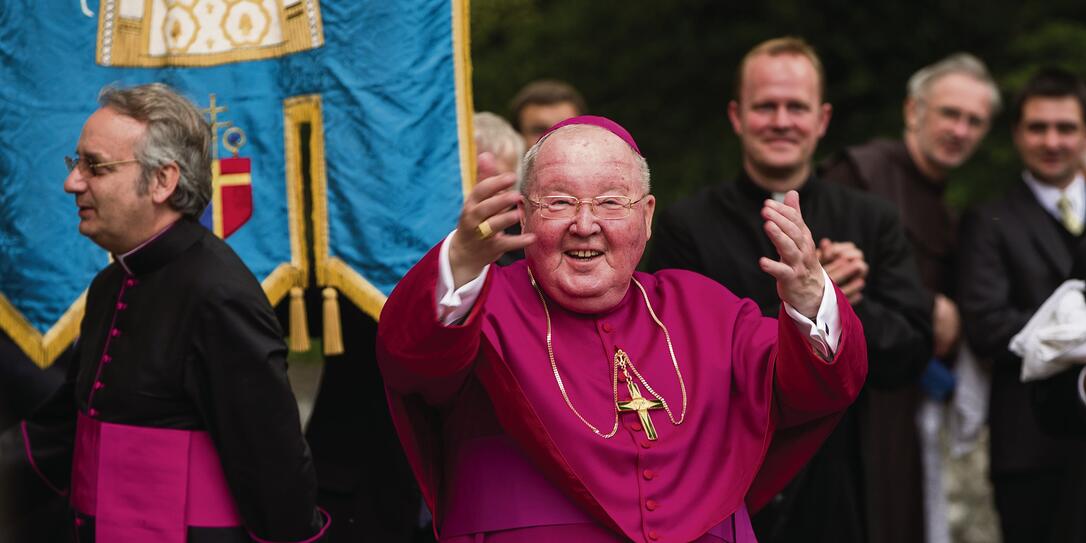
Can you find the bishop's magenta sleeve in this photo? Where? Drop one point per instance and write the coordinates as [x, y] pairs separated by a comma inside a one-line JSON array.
[[418, 354]]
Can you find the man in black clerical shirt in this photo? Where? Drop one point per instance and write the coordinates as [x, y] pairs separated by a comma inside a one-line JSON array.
[[779, 115], [176, 422], [1015, 251], [948, 110]]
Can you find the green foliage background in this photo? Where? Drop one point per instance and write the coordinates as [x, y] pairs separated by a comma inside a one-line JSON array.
[[665, 69]]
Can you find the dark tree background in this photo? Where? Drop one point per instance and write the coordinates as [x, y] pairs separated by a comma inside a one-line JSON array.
[[665, 69]]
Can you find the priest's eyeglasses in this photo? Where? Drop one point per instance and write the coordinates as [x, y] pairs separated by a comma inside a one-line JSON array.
[[87, 168], [567, 207]]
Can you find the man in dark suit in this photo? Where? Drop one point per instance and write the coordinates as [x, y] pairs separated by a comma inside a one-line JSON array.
[[1060, 401], [1015, 252], [779, 115]]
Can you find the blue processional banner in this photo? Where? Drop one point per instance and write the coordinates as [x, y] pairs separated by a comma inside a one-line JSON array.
[[343, 138]]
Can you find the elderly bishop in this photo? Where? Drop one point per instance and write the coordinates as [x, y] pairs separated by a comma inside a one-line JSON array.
[[567, 397]]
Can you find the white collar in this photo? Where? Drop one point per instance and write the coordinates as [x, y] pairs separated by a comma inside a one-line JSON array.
[[1048, 195]]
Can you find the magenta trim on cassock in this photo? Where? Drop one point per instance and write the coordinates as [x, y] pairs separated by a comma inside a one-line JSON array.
[[320, 534], [148, 484], [34, 465], [602, 122]]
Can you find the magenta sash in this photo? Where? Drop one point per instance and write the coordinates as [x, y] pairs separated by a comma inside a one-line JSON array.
[[493, 487], [148, 484]]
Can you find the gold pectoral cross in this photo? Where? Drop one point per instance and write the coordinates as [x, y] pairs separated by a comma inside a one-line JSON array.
[[637, 402]]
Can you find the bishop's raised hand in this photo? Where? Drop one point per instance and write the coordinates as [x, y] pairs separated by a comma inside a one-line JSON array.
[[490, 208]]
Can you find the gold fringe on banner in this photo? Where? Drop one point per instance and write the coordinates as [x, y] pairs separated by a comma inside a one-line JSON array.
[[299, 328], [333, 334], [465, 106], [43, 349]]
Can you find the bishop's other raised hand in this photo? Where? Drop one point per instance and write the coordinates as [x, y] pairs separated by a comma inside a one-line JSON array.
[[800, 280]]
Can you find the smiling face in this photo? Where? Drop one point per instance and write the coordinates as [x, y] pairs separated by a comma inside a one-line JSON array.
[[944, 128], [1051, 138], [113, 212], [585, 263], [779, 117]]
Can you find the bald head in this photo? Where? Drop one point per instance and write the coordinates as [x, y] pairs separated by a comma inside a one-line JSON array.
[[583, 259], [589, 137]]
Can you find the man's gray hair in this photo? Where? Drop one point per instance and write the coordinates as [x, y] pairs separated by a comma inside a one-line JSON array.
[[526, 175], [176, 132], [959, 63], [494, 135]]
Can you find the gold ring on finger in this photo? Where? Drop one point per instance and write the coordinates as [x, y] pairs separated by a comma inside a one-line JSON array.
[[484, 231]]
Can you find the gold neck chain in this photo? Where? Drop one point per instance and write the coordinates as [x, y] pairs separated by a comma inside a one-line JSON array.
[[621, 359]]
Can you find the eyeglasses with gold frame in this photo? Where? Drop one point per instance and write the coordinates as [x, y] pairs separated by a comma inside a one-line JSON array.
[[566, 207], [91, 168]]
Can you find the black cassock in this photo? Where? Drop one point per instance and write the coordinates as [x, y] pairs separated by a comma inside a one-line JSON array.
[[179, 336], [719, 232]]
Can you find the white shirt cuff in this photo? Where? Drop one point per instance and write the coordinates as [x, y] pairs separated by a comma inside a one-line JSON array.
[[824, 334], [454, 305]]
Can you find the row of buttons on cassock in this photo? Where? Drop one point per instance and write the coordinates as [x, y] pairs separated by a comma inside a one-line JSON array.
[[648, 474], [114, 333]]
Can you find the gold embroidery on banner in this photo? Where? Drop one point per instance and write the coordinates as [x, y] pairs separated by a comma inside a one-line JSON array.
[[155, 33], [329, 271], [296, 111], [43, 349]]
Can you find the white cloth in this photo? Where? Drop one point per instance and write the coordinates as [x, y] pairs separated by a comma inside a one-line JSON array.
[[969, 406], [929, 420], [824, 333], [1054, 339]]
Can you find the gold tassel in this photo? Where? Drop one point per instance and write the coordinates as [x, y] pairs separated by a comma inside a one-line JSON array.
[[299, 328], [333, 335]]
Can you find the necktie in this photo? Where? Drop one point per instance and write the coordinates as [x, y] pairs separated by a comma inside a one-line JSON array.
[[1072, 223]]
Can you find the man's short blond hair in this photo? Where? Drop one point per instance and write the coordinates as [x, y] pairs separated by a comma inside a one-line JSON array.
[[787, 45]]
